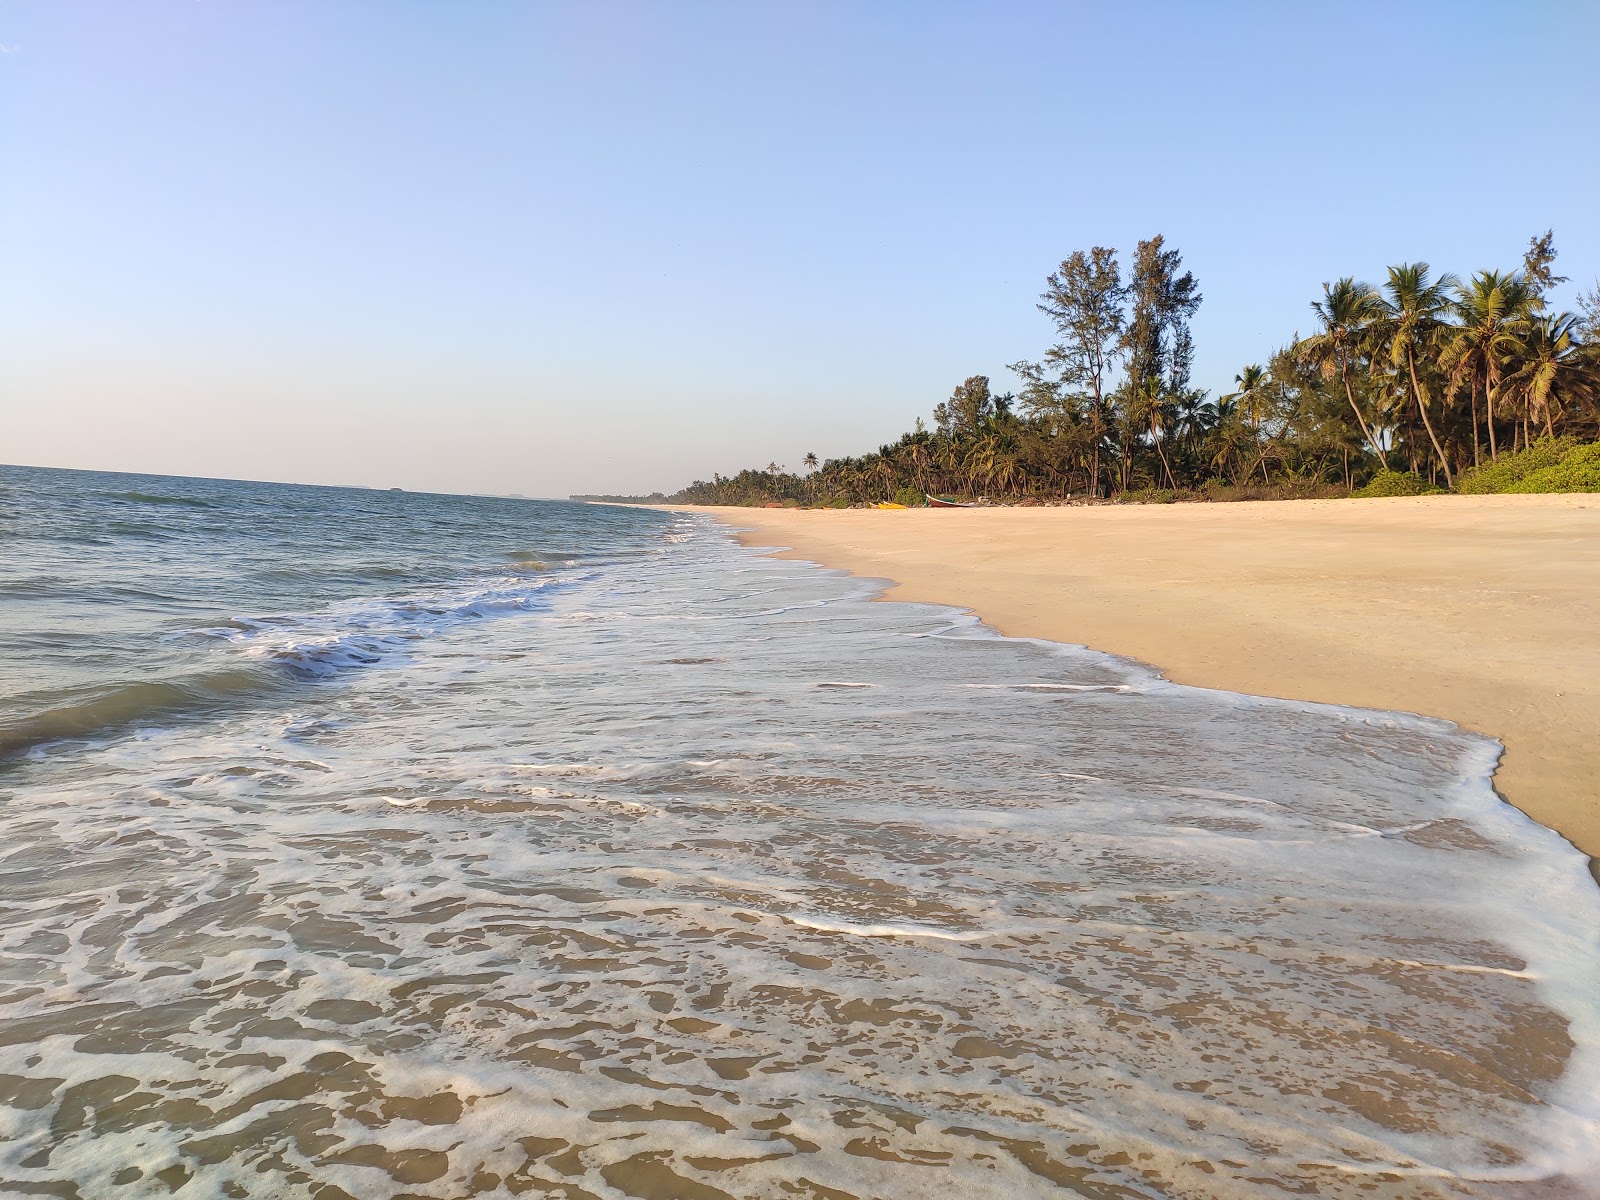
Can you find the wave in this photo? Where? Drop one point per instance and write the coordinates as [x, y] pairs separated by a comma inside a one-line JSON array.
[[158, 498], [124, 705], [362, 633], [280, 652], [539, 560]]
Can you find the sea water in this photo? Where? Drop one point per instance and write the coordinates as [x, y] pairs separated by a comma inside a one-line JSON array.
[[379, 844]]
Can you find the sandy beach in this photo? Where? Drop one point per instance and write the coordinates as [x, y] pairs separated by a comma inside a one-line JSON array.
[[1484, 610]]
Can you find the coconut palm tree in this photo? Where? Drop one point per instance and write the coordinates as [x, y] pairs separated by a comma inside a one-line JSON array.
[[1195, 417], [810, 461], [1229, 434], [1493, 310], [1347, 310], [1551, 371], [1253, 403], [1250, 393], [1148, 407], [1414, 308]]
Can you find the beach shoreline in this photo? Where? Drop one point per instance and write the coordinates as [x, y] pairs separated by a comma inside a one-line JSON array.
[[1481, 610]]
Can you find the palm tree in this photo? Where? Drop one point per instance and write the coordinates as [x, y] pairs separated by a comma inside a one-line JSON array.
[[1196, 416], [1251, 382], [1229, 435], [810, 461], [1252, 403], [1551, 371], [1413, 320], [917, 455], [1149, 408], [1347, 310], [1493, 311]]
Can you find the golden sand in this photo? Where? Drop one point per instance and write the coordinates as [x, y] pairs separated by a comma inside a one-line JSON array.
[[1484, 610]]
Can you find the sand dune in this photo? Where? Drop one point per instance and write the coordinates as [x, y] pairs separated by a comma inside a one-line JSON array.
[[1481, 609]]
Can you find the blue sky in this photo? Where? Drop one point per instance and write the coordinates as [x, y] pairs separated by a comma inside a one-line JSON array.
[[543, 248]]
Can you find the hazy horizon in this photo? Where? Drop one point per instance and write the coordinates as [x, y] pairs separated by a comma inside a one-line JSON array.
[[361, 487], [614, 247]]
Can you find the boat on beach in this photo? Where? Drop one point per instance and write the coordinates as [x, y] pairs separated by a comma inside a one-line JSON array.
[[939, 502]]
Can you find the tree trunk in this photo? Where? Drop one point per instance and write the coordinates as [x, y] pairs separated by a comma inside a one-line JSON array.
[[1416, 392], [1094, 488], [1488, 404], [1344, 373], [1171, 482], [1261, 461], [1472, 399]]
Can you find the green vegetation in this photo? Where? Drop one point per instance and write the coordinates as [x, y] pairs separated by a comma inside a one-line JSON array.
[[1397, 483], [1503, 474], [1549, 465], [1578, 471], [1422, 383], [653, 498]]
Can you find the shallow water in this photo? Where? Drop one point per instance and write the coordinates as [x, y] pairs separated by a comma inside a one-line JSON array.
[[544, 850]]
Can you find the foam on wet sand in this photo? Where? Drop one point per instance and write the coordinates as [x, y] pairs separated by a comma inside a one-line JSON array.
[[622, 893], [1478, 609]]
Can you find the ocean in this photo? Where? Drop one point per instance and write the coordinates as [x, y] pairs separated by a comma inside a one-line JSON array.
[[382, 844]]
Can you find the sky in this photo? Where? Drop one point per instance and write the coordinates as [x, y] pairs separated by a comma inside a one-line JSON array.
[[608, 246]]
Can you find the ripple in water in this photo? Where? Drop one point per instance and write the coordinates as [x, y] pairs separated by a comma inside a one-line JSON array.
[[709, 878]]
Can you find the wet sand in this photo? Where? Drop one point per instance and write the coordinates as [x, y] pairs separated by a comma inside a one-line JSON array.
[[1484, 610]]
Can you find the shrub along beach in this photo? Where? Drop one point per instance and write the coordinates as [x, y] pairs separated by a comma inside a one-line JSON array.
[[1424, 382]]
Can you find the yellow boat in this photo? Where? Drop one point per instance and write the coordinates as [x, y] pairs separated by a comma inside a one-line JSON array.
[[888, 504]]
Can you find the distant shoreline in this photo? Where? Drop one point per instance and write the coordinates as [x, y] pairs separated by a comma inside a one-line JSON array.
[[1478, 609]]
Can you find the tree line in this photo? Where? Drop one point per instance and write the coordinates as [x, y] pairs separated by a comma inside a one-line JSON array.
[[1404, 385]]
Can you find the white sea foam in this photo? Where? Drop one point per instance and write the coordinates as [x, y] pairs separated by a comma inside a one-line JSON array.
[[364, 632], [640, 905]]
